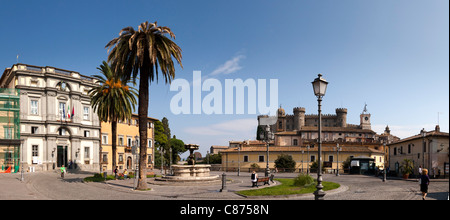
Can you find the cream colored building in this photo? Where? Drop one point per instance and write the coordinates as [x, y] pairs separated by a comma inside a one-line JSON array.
[[127, 134], [429, 149], [246, 153]]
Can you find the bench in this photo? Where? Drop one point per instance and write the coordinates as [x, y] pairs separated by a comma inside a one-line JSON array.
[[265, 180]]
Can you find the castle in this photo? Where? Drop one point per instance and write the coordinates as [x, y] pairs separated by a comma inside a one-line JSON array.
[[290, 130]]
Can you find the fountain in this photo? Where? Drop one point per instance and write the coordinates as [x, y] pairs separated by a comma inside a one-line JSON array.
[[190, 172]]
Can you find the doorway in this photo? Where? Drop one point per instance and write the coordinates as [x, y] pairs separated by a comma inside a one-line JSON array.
[[61, 156], [129, 163]]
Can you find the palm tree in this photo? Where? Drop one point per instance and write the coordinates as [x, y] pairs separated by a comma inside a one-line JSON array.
[[143, 52], [112, 100]]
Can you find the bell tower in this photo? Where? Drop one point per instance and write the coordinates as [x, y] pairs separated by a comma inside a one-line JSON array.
[[365, 119]]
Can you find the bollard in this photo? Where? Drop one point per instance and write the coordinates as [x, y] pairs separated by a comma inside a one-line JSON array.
[[224, 183]]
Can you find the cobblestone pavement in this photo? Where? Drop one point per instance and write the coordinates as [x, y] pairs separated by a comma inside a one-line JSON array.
[[49, 186]]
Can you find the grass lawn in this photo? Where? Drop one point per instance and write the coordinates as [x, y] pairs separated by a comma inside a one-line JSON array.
[[287, 188]]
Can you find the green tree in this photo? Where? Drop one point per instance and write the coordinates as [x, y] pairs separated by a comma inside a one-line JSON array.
[[259, 131], [112, 100], [142, 53], [285, 161], [160, 141], [177, 148]]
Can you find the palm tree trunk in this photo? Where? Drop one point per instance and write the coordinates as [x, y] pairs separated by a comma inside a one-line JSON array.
[[114, 143], [143, 123]]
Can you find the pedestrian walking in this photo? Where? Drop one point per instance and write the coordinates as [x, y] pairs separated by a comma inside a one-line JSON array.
[[254, 178], [420, 172], [63, 170], [115, 172], [424, 181]]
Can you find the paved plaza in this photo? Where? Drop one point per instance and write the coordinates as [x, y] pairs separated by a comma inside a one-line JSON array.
[[49, 186]]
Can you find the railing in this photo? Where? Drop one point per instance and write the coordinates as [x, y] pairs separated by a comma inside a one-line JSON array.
[[49, 69]]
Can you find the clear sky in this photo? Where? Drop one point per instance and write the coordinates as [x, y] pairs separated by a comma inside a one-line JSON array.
[[391, 54]]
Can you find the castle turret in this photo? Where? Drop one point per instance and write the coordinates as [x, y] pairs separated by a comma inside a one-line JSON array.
[[299, 118], [341, 117], [365, 119]]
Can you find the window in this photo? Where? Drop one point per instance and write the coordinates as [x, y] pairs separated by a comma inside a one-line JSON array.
[[35, 150], [149, 143], [105, 158], [34, 130], [8, 132], [62, 107], [120, 158], [34, 107], [86, 133], [87, 152], [35, 153], [149, 159], [104, 139], [245, 158], [261, 159], [120, 141], [295, 142], [409, 148], [331, 158], [395, 151], [85, 113], [313, 158], [129, 142], [62, 131]]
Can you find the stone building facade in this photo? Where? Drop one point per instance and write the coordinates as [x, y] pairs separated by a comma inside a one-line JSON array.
[[292, 130], [58, 126], [428, 149]]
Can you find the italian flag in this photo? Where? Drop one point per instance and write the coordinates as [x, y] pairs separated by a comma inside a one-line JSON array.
[[68, 111]]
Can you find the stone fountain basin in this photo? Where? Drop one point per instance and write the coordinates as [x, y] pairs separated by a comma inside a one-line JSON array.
[[182, 173]]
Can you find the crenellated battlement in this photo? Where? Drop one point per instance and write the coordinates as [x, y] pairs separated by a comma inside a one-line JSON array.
[[341, 110], [299, 109]]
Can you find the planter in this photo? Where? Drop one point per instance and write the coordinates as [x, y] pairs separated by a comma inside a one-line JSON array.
[[405, 176]]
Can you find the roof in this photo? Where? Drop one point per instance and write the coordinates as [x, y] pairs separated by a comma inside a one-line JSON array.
[[149, 118], [359, 149], [433, 133], [327, 129]]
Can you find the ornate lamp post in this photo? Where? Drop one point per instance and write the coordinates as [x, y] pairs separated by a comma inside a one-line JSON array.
[[385, 159], [337, 162], [320, 87], [267, 136]]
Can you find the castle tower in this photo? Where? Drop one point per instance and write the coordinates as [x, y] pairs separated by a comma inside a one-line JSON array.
[[281, 123], [341, 117], [365, 119], [299, 118]]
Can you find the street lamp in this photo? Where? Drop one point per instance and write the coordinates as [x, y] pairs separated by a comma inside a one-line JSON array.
[[337, 152], [385, 159], [267, 136], [423, 147], [320, 87], [239, 161], [135, 153]]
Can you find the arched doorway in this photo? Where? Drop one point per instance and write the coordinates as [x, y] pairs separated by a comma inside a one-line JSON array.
[[129, 163]]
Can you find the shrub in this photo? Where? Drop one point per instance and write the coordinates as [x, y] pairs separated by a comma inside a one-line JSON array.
[[303, 180], [285, 161]]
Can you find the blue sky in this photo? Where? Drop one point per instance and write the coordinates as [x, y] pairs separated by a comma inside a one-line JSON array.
[[392, 55]]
